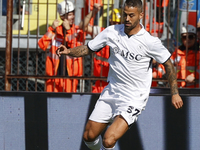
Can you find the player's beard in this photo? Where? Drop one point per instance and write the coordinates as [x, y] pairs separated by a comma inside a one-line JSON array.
[[129, 28]]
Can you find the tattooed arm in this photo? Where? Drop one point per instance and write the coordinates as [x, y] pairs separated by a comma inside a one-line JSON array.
[[79, 51], [171, 76]]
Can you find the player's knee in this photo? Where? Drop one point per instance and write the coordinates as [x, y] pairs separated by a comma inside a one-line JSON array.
[[109, 142], [88, 136]]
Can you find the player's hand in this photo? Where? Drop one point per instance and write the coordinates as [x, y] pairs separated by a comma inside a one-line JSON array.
[[190, 79], [66, 24], [177, 101], [55, 23], [62, 50]]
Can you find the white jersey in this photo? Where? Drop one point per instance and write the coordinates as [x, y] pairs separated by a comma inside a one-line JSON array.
[[130, 72]]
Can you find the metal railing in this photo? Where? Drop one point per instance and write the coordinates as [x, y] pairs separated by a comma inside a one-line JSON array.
[[23, 67]]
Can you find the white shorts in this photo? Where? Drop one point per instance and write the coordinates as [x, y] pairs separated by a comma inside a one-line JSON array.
[[110, 104]]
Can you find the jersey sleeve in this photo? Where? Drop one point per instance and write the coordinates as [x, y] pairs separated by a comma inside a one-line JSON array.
[[99, 41], [158, 51]]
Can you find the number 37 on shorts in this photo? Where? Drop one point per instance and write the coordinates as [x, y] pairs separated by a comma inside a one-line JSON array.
[[133, 112]]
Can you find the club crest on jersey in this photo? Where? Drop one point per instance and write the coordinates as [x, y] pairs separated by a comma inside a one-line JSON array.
[[127, 54]]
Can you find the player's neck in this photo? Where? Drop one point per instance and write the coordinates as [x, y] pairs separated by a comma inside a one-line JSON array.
[[133, 31]]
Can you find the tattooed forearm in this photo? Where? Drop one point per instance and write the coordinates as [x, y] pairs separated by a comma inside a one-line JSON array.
[[171, 76], [79, 51]]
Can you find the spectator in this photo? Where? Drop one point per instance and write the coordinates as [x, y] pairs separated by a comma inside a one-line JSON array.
[[192, 58], [54, 37], [186, 58]]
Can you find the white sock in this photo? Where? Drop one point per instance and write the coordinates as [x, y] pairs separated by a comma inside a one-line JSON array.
[[96, 144], [103, 148]]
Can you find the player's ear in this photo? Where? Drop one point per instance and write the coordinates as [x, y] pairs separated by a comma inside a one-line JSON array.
[[141, 15]]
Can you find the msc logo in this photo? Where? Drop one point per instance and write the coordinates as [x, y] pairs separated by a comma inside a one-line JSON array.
[[127, 55]]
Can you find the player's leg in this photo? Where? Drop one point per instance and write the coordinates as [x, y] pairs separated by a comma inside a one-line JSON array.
[[98, 121], [92, 134], [114, 132]]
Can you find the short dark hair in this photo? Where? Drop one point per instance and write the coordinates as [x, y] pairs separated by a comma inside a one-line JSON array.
[[134, 3]]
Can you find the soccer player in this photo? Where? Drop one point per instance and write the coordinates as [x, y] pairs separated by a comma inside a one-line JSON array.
[[132, 49]]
